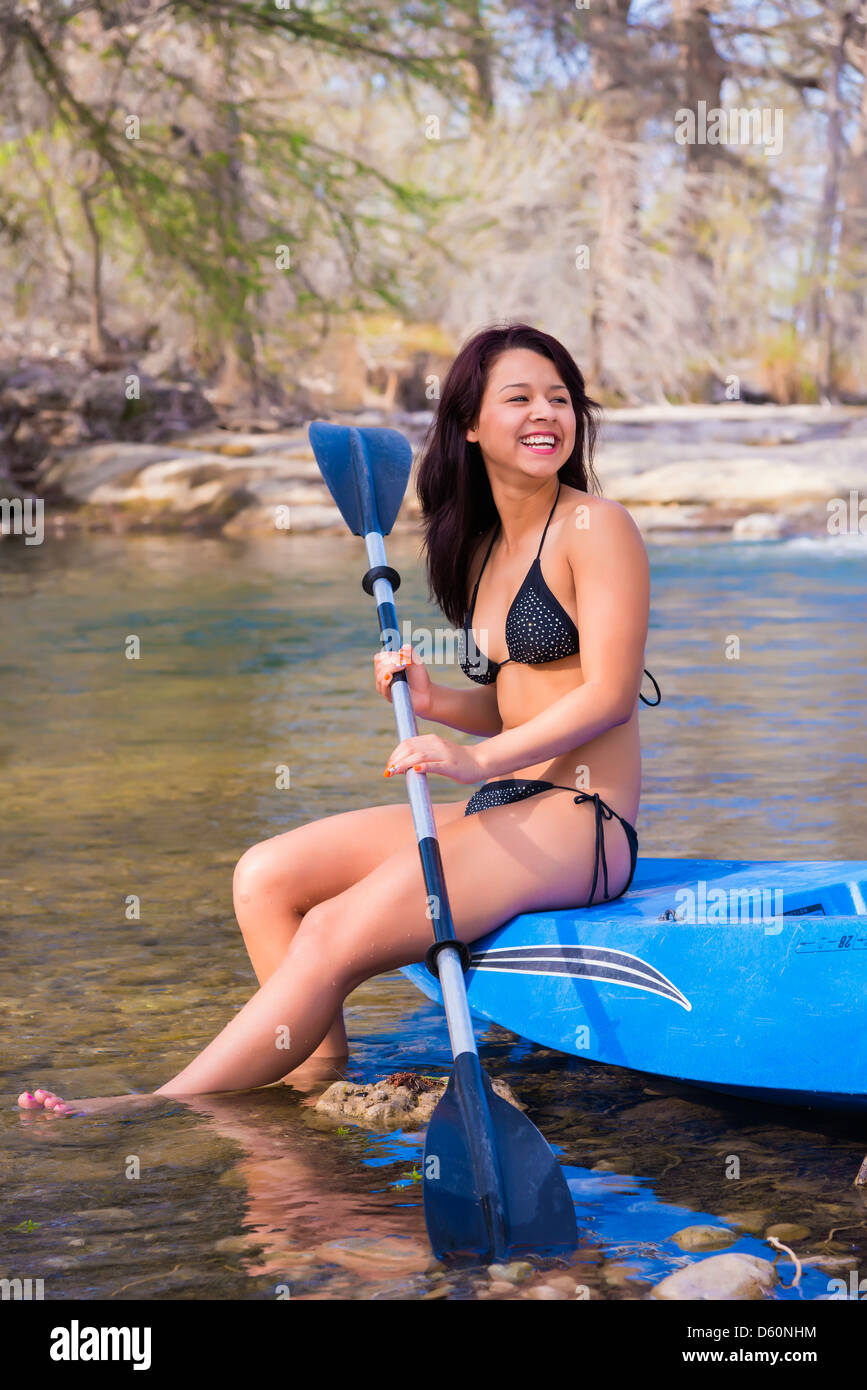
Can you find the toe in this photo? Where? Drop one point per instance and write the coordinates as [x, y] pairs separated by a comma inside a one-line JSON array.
[[52, 1101], [29, 1102]]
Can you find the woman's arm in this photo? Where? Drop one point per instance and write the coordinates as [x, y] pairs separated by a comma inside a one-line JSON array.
[[612, 586], [470, 711]]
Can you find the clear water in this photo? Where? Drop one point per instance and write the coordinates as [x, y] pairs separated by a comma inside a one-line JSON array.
[[150, 777]]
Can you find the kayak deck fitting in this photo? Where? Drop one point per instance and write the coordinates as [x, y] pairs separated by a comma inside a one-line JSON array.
[[743, 976]]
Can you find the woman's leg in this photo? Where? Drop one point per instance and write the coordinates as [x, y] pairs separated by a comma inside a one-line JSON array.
[[522, 857], [528, 856], [278, 880]]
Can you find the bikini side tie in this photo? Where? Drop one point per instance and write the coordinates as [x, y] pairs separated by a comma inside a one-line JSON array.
[[603, 812]]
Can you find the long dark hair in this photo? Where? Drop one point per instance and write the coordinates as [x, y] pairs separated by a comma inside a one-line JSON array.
[[452, 485]]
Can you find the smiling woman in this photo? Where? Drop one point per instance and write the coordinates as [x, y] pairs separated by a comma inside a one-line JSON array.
[[336, 901], [498, 451]]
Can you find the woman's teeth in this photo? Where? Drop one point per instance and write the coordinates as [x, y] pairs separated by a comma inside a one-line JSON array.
[[544, 443]]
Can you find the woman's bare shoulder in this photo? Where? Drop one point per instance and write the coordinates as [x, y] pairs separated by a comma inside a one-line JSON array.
[[590, 511]]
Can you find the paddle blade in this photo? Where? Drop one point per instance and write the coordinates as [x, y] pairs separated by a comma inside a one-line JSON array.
[[366, 472], [493, 1189]]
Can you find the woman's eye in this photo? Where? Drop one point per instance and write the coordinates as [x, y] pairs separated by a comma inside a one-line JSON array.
[[562, 399]]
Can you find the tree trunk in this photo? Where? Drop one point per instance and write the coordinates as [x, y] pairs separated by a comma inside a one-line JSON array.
[[701, 71], [851, 299], [613, 310], [238, 381], [821, 308], [478, 55], [97, 337]]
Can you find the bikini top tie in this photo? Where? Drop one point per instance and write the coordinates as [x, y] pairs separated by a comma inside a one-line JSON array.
[[538, 628]]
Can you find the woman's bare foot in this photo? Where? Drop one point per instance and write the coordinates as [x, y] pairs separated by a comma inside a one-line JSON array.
[[315, 1070], [47, 1100]]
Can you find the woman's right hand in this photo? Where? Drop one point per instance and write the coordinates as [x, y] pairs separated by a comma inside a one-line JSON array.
[[386, 663]]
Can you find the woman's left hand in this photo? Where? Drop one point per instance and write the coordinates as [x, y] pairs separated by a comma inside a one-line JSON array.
[[430, 753]]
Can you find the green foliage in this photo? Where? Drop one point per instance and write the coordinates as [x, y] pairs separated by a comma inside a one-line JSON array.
[[198, 207]]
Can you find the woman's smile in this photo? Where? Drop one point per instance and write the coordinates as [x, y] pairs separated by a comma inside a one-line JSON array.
[[540, 442]]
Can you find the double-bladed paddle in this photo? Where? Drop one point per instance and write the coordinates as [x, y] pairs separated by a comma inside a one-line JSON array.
[[492, 1186]]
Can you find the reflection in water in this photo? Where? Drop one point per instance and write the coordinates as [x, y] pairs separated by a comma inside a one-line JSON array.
[[131, 787]]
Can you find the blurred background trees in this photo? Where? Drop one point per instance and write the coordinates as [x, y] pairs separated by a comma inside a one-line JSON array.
[[261, 193]]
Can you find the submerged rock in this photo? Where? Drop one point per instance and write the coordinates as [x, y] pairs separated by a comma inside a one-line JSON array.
[[788, 1231], [753, 1221], [704, 1238], [513, 1273], [404, 1100], [374, 1255], [722, 1277]]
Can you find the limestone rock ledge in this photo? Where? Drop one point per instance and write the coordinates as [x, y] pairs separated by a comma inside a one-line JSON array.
[[747, 473]]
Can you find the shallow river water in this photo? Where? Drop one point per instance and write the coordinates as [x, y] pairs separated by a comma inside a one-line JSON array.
[[147, 778]]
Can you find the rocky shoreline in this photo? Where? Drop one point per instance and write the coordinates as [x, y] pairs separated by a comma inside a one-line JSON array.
[[727, 471]]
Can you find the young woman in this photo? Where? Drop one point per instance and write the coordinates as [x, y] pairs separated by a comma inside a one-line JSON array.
[[514, 525]]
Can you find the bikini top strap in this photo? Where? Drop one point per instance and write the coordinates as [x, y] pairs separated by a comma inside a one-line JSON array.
[[548, 522]]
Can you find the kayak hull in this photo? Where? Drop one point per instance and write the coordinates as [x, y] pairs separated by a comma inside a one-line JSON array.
[[748, 977]]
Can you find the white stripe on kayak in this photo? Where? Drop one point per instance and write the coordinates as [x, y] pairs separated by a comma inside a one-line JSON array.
[[649, 986], [645, 977], [857, 897]]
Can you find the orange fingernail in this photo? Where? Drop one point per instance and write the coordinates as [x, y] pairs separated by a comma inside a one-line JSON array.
[[416, 768]]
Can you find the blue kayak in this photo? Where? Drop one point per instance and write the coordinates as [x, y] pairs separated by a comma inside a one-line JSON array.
[[743, 976]]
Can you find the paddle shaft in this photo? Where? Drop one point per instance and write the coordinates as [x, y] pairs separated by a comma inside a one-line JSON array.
[[448, 959], [491, 1183]]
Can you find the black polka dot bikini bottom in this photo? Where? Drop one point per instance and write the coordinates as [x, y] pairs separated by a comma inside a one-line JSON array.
[[506, 789]]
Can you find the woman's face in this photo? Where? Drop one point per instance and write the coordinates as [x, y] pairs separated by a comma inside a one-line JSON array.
[[526, 420]]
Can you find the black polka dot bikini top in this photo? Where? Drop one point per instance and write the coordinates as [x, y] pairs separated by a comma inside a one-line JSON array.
[[538, 628]]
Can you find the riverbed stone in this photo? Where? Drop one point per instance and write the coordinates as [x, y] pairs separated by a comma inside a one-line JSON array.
[[404, 1100], [620, 1275], [728, 1277], [753, 1221], [788, 1231], [234, 1245], [831, 1263], [567, 1282], [106, 1214], [704, 1238], [515, 1272], [375, 1255]]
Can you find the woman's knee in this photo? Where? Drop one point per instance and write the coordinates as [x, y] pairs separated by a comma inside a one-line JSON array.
[[325, 935], [264, 874]]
